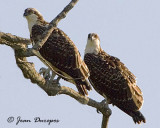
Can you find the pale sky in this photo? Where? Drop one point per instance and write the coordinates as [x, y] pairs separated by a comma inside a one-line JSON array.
[[128, 29]]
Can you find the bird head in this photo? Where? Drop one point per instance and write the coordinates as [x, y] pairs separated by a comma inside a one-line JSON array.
[[93, 44], [33, 17], [32, 14]]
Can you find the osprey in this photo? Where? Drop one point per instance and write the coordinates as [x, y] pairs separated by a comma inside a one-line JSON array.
[[58, 52], [112, 79]]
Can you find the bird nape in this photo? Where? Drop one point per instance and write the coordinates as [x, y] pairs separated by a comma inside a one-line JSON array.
[[58, 52], [112, 79]]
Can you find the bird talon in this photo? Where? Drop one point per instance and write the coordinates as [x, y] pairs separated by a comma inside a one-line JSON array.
[[45, 72], [56, 81], [103, 101], [98, 111]]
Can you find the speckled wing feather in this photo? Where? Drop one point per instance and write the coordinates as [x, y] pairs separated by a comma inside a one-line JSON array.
[[64, 57], [112, 79]]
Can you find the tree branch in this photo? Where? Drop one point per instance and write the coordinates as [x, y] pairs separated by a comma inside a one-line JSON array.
[[105, 121], [53, 24], [20, 46], [13, 41]]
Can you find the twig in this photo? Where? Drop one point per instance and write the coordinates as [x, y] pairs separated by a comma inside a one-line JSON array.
[[63, 14]]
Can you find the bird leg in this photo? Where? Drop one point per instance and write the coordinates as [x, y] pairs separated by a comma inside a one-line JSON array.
[[58, 79], [49, 76], [105, 110], [55, 82], [52, 76], [46, 73]]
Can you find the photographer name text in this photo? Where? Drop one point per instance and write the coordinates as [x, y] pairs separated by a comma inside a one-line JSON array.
[[19, 120]]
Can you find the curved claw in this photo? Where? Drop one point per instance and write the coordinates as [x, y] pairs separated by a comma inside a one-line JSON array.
[[98, 111], [49, 76], [45, 72], [56, 81], [103, 101]]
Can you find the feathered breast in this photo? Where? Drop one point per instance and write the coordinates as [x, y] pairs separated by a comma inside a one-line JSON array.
[[110, 77], [61, 52]]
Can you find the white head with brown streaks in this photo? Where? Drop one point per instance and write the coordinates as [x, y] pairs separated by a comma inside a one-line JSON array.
[[93, 44], [33, 17]]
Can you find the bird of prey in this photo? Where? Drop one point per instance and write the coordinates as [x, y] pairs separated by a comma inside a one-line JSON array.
[[112, 79], [59, 52]]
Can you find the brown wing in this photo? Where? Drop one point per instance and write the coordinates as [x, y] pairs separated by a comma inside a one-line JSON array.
[[64, 56], [111, 78]]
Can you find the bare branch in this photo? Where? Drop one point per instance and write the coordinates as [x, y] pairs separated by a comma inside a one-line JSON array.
[[105, 121], [21, 52], [53, 24], [51, 89], [13, 41], [63, 14]]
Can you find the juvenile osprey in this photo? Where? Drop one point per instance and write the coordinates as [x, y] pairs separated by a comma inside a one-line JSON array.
[[58, 51], [112, 79]]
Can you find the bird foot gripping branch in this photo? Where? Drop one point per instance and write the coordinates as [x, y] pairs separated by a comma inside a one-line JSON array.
[[45, 72], [49, 75], [105, 110]]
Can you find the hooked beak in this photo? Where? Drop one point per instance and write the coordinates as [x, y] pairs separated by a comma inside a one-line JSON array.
[[89, 36], [25, 14]]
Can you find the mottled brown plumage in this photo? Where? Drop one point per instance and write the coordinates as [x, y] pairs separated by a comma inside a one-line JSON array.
[[60, 52], [112, 79]]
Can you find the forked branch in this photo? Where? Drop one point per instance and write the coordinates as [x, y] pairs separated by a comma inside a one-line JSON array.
[[20, 47], [21, 52]]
